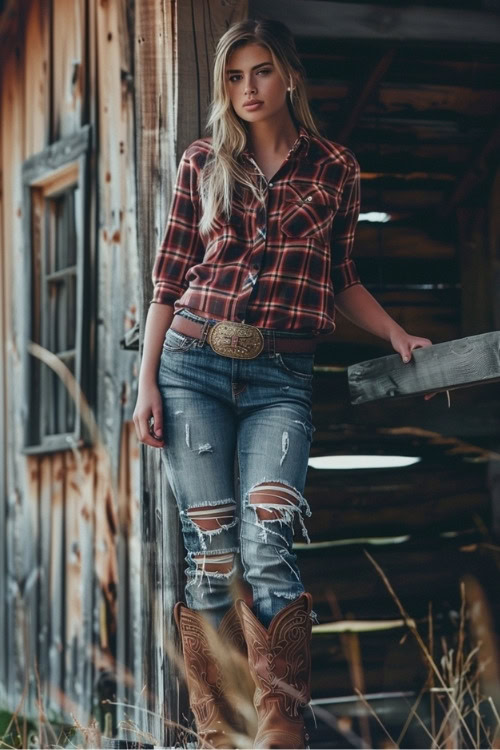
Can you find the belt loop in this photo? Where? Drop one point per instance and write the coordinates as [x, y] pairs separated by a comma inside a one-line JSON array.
[[204, 333], [272, 344]]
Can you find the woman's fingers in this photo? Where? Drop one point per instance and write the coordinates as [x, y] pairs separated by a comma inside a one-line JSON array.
[[146, 428], [156, 426]]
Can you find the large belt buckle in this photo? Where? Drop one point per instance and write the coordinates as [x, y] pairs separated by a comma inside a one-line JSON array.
[[237, 340]]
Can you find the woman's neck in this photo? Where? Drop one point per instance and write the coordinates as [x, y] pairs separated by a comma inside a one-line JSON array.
[[272, 136]]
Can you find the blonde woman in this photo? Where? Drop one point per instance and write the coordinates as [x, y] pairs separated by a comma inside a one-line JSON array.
[[256, 256]]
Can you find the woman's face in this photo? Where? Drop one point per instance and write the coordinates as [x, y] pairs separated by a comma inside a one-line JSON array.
[[252, 76]]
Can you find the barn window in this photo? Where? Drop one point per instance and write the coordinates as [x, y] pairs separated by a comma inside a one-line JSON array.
[[58, 314]]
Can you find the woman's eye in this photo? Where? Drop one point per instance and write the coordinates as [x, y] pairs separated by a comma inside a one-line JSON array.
[[233, 77], [265, 71]]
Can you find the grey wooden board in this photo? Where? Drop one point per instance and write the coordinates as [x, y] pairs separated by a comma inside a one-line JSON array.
[[341, 20], [472, 360]]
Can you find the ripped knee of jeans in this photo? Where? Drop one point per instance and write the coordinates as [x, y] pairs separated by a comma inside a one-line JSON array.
[[213, 565], [277, 501], [212, 518]]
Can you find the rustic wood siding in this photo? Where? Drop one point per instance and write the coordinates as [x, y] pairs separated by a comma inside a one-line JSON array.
[[70, 519]]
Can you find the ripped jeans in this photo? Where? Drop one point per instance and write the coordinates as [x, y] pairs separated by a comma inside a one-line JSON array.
[[237, 438]]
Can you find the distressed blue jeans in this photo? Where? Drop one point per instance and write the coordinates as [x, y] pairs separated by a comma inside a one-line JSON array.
[[237, 438]]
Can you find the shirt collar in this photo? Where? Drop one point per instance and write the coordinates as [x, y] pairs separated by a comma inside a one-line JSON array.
[[301, 144]]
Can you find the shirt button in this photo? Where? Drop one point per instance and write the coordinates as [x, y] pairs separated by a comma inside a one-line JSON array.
[[271, 184], [309, 198]]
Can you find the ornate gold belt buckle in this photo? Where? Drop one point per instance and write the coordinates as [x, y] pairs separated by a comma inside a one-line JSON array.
[[237, 340]]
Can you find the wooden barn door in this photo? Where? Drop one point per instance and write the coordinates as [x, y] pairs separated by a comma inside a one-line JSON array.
[[174, 46]]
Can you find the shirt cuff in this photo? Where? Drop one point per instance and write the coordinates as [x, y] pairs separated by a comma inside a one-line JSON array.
[[345, 276], [163, 296]]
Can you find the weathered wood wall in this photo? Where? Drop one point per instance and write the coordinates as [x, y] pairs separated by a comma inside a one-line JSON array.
[[70, 526]]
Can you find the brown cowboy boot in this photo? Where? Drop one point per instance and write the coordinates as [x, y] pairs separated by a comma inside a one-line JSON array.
[[280, 664], [212, 659]]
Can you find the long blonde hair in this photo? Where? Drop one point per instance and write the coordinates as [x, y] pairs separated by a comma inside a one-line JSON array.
[[229, 132]]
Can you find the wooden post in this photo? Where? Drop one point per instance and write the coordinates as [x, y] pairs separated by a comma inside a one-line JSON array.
[[174, 46]]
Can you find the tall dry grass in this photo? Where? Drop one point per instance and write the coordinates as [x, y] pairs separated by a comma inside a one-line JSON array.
[[463, 677]]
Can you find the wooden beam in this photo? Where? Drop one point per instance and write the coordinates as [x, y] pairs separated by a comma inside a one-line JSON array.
[[362, 97], [337, 20], [417, 99], [477, 172], [494, 245], [475, 270], [454, 364]]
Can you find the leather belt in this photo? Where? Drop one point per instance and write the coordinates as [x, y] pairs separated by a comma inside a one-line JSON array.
[[240, 340]]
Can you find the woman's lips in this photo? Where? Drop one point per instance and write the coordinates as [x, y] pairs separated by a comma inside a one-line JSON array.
[[251, 107]]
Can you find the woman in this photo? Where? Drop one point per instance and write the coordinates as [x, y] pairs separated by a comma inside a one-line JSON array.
[[255, 257]]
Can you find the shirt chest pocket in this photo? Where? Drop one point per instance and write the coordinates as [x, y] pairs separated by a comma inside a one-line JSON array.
[[307, 211]]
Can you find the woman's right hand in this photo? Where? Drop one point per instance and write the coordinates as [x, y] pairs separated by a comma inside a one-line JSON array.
[[148, 416]]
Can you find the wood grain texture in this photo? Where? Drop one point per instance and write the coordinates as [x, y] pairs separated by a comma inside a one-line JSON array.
[[336, 20], [472, 360]]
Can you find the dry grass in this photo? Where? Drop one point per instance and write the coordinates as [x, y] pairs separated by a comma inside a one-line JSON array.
[[461, 681]]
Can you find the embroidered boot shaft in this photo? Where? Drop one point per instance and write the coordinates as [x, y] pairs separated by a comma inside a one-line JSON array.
[[214, 661], [279, 658]]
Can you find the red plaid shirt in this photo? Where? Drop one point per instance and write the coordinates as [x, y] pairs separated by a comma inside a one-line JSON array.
[[274, 266]]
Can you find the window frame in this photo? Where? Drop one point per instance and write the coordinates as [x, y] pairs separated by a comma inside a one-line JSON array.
[[45, 174]]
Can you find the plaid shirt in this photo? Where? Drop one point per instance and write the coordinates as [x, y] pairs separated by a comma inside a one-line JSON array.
[[273, 266]]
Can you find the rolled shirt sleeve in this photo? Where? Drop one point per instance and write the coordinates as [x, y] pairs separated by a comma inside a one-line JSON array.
[[344, 272], [181, 246]]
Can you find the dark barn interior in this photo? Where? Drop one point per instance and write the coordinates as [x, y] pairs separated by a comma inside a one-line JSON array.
[[415, 93]]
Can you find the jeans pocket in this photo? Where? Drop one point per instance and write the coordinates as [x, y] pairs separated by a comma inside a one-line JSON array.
[[300, 365], [177, 342]]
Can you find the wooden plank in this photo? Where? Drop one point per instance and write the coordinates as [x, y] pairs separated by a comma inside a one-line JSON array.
[[129, 643], [30, 584], [478, 170], [400, 240], [105, 523], [419, 569], [337, 20], [478, 290], [493, 232], [75, 648], [45, 544], [155, 93], [68, 76], [85, 671], [118, 305], [57, 588], [416, 65], [4, 284], [14, 315], [382, 503], [36, 78], [472, 360], [410, 98]]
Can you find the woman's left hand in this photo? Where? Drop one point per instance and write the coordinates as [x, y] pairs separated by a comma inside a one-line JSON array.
[[403, 343]]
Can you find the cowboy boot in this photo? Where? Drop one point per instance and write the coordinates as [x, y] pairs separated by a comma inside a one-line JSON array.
[[215, 703], [279, 658]]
